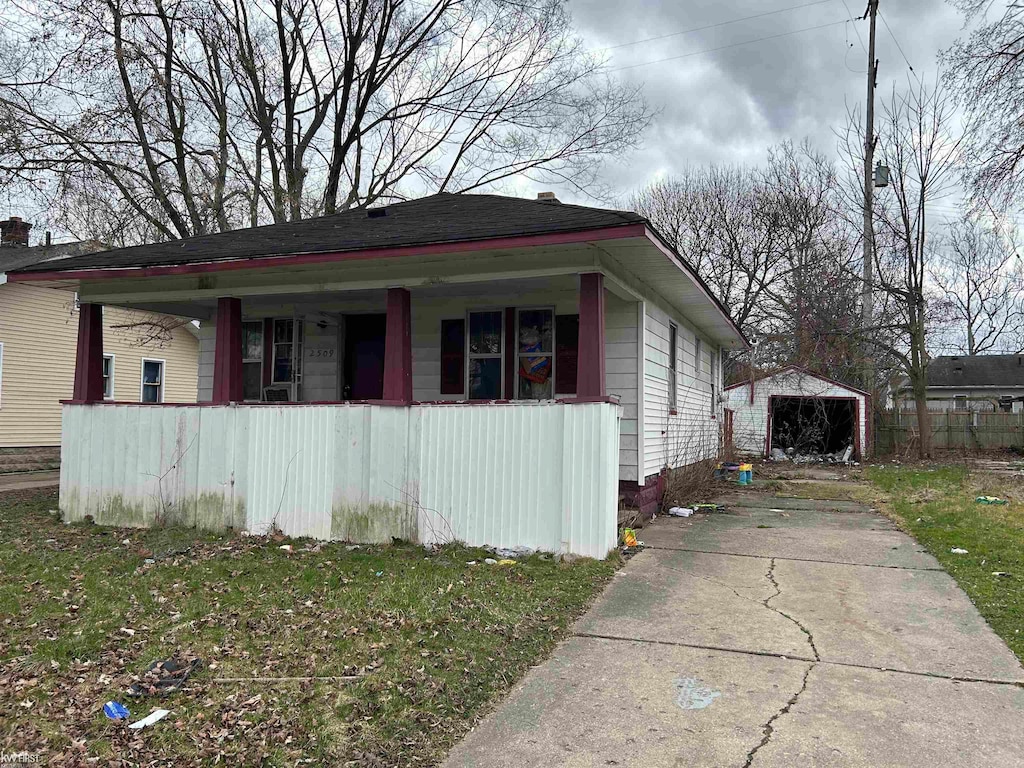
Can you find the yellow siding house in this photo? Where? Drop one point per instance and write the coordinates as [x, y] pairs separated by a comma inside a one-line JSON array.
[[38, 337]]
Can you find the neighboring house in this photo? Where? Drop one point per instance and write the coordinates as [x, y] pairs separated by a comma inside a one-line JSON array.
[[797, 409], [473, 367], [38, 336], [972, 383]]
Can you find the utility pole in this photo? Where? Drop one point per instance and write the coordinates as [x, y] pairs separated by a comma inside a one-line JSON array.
[[867, 296]]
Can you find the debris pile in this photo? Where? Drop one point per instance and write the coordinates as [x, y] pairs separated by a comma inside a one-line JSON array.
[[843, 456]]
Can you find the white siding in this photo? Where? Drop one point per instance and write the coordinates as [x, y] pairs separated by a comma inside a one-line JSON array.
[[750, 420], [207, 341], [691, 433], [621, 334], [540, 475]]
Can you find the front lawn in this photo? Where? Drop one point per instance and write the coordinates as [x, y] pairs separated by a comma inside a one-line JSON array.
[[432, 642], [938, 507]]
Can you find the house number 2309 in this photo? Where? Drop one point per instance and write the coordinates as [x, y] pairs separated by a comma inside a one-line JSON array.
[[321, 353]]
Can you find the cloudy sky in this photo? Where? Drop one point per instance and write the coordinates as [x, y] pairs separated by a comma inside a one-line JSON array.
[[729, 105]]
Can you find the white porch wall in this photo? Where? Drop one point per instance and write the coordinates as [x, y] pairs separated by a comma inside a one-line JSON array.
[[321, 374], [540, 475], [691, 434]]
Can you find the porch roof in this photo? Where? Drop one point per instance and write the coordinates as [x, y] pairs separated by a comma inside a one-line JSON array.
[[541, 236], [441, 218]]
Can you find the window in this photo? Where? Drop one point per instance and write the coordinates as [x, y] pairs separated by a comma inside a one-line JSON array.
[[252, 360], [535, 349], [287, 368], [1006, 404], [697, 362], [959, 402], [108, 377], [152, 381], [485, 346], [714, 380], [673, 365]]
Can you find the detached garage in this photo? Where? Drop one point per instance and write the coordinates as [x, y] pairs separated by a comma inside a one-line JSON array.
[[798, 412]]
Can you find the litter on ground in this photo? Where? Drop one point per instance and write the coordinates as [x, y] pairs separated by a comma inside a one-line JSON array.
[[164, 677], [115, 710], [958, 551], [153, 717], [990, 500], [680, 511]]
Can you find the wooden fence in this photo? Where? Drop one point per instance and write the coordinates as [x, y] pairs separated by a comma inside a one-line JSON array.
[[957, 430]]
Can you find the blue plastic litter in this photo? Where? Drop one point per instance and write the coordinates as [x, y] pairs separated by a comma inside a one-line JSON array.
[[115, 710]]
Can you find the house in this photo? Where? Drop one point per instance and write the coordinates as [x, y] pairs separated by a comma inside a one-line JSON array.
[[972, 383], [474, 367], [800, 411], [38, 336]]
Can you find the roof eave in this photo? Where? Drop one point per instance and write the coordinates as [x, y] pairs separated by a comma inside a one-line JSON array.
[[629, 229]]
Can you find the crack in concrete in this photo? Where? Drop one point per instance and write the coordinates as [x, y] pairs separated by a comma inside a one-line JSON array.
[[769, 728], [778, 591], [807, 659], [657, 547], [764, 602]]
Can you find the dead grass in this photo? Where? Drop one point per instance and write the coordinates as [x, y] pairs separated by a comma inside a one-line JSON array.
[[435, 642]]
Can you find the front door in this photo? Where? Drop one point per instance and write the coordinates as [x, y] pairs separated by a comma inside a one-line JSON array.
[[364, 356]]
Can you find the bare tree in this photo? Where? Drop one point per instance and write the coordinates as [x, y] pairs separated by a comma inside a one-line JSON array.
[[981, 281], [920, 142], [774, 249], [180, 117], [986, 69]]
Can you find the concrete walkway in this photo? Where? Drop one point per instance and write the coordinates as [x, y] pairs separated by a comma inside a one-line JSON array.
[[20, 481], [780, 632]]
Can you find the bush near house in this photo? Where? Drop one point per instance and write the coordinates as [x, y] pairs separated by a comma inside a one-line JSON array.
[[937, 506], [432, 641]]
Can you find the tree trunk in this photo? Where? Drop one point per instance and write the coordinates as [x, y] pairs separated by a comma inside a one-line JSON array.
[[924, 420]]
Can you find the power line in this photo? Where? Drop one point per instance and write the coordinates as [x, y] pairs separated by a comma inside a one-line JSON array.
[[724, 47], [900, 48], [859, 38], [715, 25]]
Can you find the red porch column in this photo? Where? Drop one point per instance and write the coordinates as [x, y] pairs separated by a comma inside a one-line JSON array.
[[398, 347], [89, 356], [590, 380], [227, 352]]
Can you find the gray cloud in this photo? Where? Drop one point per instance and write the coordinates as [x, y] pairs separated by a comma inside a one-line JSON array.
[[730, 105]]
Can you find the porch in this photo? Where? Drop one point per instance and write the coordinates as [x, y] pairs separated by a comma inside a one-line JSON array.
[[479, 412]]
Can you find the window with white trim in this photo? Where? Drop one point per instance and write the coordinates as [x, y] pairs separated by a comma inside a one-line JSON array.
[[108, 377], [673, 365], [959, 402], [152, 381], [714, 379], [485, 349], [535, 353], [252, 360]]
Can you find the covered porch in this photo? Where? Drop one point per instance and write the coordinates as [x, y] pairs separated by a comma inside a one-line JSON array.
[[478, 411]]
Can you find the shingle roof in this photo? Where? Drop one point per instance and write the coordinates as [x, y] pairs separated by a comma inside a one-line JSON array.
[[977, 371], [439, 218], [12, 258]]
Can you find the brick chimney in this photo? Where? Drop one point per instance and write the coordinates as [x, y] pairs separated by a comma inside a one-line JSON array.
[[547, 197], [14, 232]]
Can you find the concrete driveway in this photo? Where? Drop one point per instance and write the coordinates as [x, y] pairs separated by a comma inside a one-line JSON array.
[[780, 632]]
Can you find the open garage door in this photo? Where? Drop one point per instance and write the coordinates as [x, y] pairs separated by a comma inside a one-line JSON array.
[[813, 426]]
